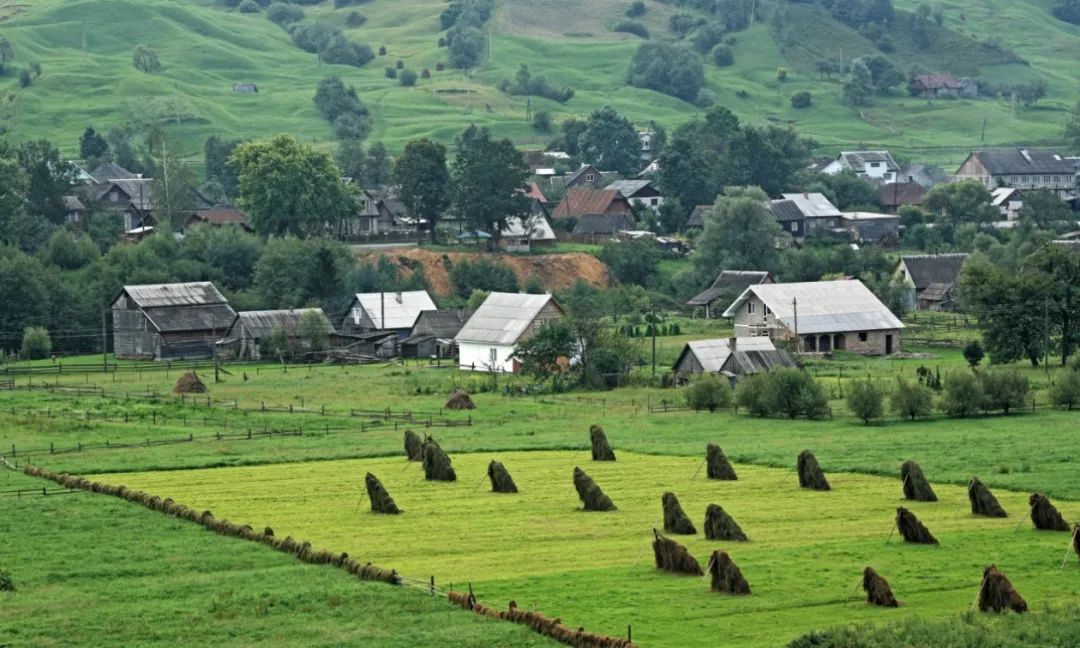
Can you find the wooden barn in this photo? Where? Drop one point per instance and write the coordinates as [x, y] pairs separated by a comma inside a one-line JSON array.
[[169, 321], [433, 334], [730, 357], [383, 311], [252, 328]]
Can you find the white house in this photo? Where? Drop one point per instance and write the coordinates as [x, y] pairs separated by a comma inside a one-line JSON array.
[[383, 311], [876, 166], [1008, 200], [640, 193], [521, 235], [503, 321]]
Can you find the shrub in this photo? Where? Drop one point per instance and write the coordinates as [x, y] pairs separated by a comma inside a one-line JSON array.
[[723, 56], [782, 392], [400, 64], [866, 401], [407, 78], [671, 69], [36, 343], [707, 36], [283, 13], [542, 121], [425, 73], [781, 74], [145, 59], [800, 100], [1004, 389], [705, 98], [25, 78], [525, 83], [637, 8], [440, 66], [7, 584], [630, 26], [482, 274], [962, 396], [911, 399], [974, 353], [1066, 391], [355, 19], [681, 24], [382, 50], [708, 392], [249, 7], [391, 73]]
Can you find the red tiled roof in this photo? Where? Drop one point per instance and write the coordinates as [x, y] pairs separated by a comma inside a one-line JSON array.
[[536, 193], [222, 216], [581, 201]]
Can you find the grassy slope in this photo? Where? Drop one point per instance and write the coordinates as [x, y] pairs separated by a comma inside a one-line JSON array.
[[92, 570], [804, 560], [205, 49]]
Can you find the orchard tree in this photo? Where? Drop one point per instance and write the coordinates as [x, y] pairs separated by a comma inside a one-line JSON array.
[[7, 53], [423, 182]]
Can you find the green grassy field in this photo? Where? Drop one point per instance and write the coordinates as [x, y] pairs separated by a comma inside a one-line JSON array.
[[85, 47], [804, 560]]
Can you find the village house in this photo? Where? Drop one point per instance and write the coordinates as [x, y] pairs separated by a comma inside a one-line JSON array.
[[130, 197], [895, 195], [382, 311], [503, 321], [74, 210], [935, 86], [379, 212], [807, 214], [789, 217], [219, 216], [169, 321], [732, 358], [697, 217], [1008, 200], [591, 228], [252, 329], [523, 234], [578, 202], [433, 334], [820, 317], [875, 166], [1022, 168], [586, 176], [930, 279], [872, 227], [640, 193], [728, 285]]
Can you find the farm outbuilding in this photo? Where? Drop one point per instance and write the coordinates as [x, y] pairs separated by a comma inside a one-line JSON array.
[[728, 285], [504, 320], [433, 334], [731, 357], [929, 279], [382, 311], [169, 321], [252, 328]]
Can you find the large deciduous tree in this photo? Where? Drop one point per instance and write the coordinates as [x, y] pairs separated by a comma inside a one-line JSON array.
[[740, 233], [49, 178], [422, 179], [490, 180], [611, 142]]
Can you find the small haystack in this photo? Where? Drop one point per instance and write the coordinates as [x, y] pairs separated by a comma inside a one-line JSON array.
[[916, 487], [381, 502], [459, 400], [721, 526], [592, 498], [437, 463], [414, 446], [996, 594], [810, 475], [501, 482], [911, 530], [675, 519], [877, 589], [601, 451], [1044, 515], [717, 465], [726, 576], [1076, 540], [189, 383], [673, 557], [983, 501]]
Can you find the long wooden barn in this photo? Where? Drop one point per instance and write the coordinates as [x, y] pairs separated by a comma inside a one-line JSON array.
[[169, 321]]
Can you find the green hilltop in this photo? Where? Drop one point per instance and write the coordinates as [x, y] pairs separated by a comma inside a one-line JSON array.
[[85, 50]]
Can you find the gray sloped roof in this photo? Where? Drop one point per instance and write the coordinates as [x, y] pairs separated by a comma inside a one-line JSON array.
[[785, 210], [754, 361], [857, 160], [72, 203], [445, 323], [823, 306], [401, 309], [198, 317], [107, 171], [261, 324], [503, 318], [730, 282], [697, 217], [812, 205], [1020, 161], [539, 229], [175, 294], [713, 354], [926, 269], [629, 188]]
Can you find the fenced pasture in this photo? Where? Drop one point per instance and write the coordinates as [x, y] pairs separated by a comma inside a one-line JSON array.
[[804, 560]]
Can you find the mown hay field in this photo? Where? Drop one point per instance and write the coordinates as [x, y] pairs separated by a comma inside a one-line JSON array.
[[804, 560]]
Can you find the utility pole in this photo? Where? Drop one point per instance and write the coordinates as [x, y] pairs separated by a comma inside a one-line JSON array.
[[104, 343], [795, 307], [653, 324], [1046, 337]]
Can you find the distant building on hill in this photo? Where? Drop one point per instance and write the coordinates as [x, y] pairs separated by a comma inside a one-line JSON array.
[[1022, 168], [245, 88]]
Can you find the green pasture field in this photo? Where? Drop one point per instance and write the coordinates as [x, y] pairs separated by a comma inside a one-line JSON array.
[[804, 559], [94, 570]]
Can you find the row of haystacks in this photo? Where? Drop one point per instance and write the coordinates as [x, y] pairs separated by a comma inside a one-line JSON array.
[[541, 624], [302, 550], [725, 576]]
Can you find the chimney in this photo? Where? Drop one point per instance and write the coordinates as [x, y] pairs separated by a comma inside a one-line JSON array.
[[397, 297], [731, 343]]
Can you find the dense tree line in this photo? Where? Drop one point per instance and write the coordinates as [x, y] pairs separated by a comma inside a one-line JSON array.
[[463, 21], [525, 83], [674, 70], [341, 106]]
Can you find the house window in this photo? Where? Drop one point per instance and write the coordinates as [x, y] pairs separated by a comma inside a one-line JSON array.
[[493, 356], [862, 336], [874, 165], [750, 307], [794, 226], [654, 202], [114, 196], [589, 177]]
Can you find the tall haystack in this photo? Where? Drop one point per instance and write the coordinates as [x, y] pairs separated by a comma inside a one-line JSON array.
[[501, 482], [810, 475], [721, 526], [381, 502], [726, 576], [916, 487], [983, 501], [996, 594], [877, 589], [592, 498], [1044, 515], [673, 557], [717, 465], [1076, 540], [911, 530], [414, 446], [675, 519], [437, 464], [189, 383], [459, 400], [601, 451]]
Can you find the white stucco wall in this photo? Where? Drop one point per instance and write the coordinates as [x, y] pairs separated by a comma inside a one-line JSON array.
[[474, 356]]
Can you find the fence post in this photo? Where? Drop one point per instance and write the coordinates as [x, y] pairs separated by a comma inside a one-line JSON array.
[[52, 449], [431, 587], [12, 449]]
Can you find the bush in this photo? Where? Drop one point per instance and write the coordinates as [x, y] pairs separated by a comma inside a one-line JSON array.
[[707, 36], [782, 392], [974, 353], [382, 50], [1066, 391], [391, 73], [637, 8], [800, 100], [36, 343], [708, 392], [249, 7], [962, 396], [283, 13], [407, 78], [482, 274], [630, 26], [440, 66], [911, 399], [425, 73], [671, 69], [866, 401], [7, 584], [781, 74], [705, 98], [25, 78], [542, 121], [1004, 389], [355, 19], [145, 59], [525, 83], [723, 56]]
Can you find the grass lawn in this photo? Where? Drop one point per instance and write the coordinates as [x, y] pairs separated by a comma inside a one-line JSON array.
[[804, 560]]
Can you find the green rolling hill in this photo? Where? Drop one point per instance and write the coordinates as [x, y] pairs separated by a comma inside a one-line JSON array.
[[84, 48]]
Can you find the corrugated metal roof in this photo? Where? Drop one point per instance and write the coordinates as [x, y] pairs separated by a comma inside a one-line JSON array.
[[926, 269], [401, 309], [1023, 161], [731, 282], [539, 228], [503, 318], [199, 317], [629, 188], [712, 354], [824, 306], [176, 294], [812, 205], [441, 323], [261, 324]]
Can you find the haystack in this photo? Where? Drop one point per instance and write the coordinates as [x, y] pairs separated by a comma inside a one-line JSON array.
[[414, 446], [437, 464], [877, 589], [996, 594], [673, 557], [675, 519], [601, 451], [592, 498], [983, 501], [810, 475], [189, 383], [726, 576], [459, 400], [501, 482], [381, 502], [721, 526], [916, 487], [717, 465], [911, 530], [1076, 540], [1044, 515]]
